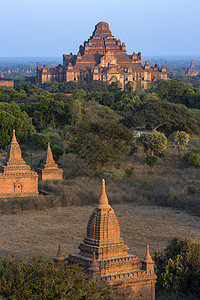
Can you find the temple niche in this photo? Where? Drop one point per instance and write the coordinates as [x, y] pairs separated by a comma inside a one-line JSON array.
[[104, 58], [16, 178], [105, 256]]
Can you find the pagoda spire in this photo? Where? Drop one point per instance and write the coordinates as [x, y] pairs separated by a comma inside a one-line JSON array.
[[147, 263], [49, 154], [103, 201], [14, 140], [14, 155], [147, 255]]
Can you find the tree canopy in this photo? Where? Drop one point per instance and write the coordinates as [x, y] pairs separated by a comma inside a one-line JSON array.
[[163, 115], [38, 279], [11, 117], [100, 142]]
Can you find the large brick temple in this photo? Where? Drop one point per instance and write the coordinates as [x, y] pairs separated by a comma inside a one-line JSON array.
[[105, 255], [102, 57], [16, 177]]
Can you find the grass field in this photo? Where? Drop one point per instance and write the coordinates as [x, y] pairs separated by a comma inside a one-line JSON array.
[[39, 232]]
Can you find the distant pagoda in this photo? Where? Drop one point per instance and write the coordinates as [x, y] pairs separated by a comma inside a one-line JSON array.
[[102, 57], [105, 255], [192, 71], [49, 169], [16, 177]]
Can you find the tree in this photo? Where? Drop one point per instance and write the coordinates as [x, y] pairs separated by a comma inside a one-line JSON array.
[[180, 140], [38, 279], [153, 142], [162, 115], [151, 161], [170, 90], [100, 142], [11, 117], [177, 268], [193, 159]]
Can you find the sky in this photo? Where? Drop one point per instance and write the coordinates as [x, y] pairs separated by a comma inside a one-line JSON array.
[[49, 28]]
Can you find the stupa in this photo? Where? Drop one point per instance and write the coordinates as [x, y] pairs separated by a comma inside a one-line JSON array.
[[16, 177], [49, 169], [105, 255]]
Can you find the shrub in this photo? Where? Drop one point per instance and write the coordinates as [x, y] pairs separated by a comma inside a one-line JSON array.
[[178, 267], [57, 152], [38, 279], [193, 159], [151, 161], [109, 175], [39, 141], [130, 172]]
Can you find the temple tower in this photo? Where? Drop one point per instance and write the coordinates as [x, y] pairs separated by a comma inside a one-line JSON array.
[[49, 169], [16, 178], [105, 255], [192, 71]]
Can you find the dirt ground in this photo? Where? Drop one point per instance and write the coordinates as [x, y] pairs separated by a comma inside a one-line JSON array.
[[37, 233]]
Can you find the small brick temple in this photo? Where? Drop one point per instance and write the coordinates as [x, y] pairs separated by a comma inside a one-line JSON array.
[[105, 255]]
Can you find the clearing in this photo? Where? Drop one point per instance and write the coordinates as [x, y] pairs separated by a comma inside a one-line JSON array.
[[37, 233]]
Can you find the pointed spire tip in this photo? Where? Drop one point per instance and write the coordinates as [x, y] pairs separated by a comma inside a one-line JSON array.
[[103, 201]]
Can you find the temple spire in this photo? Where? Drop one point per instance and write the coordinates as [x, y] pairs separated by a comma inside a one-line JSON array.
[[147, 256], [14, 155], [147, 263], [103, 201], [49, 155], [14, 140]]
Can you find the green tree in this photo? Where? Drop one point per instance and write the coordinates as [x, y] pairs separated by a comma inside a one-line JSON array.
[[11, 117], [177, 268], [193, 159], [38, 279], [162, 115], [170, 90], [100, 142], [180, 140], [151, 161], [154, 143]]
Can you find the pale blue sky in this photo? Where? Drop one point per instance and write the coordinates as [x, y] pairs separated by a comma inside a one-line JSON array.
[[54, 27]]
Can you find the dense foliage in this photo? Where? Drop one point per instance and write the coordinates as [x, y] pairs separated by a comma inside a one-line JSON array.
[[100, 142], [38, 279], [153, 142], [93, 120], [180, 140], [162, 115], [11, 117], [178, 267]]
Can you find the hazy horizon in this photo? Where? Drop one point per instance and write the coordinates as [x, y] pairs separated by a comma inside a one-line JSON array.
[[49, 28]]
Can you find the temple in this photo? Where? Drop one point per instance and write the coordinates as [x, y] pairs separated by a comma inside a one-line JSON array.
[[8, 83], [104, 58], [105, 255], [49, 169], [192, 71], [16, 178]]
